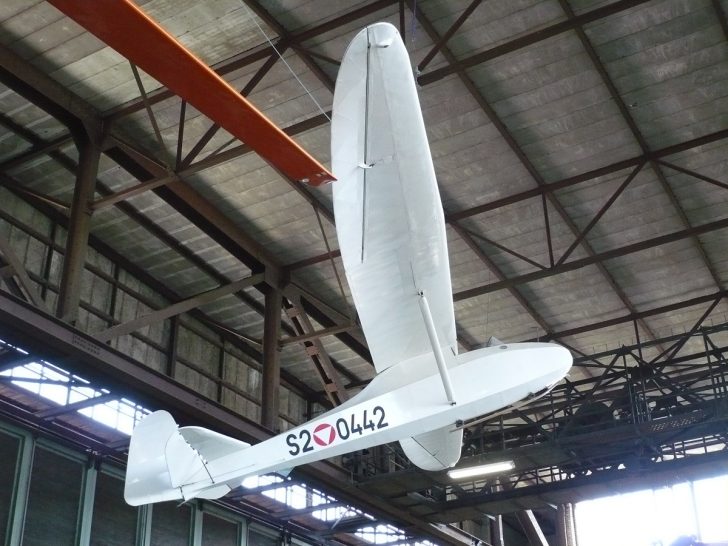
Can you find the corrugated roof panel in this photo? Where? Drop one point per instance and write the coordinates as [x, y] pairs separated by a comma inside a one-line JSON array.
[[656, 57], [557, 107], [663, 275], [492, 23], [642, 210], [574, 298]]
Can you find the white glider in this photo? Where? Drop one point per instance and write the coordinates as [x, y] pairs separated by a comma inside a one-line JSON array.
[[391, 232]]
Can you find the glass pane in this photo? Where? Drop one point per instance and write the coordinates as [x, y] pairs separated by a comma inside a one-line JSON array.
[[218, 532], [170, 524], [257, 538], [114, 522], [9, 446], [53, 501]]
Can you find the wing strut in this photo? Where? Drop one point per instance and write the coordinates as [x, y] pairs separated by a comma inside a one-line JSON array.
[[436, 349]]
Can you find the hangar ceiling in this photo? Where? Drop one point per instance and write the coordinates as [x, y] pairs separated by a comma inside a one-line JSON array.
[[580, 149]]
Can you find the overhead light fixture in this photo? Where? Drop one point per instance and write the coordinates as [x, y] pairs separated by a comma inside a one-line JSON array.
[[481, 470]]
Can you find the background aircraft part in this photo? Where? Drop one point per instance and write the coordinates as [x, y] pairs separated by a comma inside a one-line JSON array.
[[127, 29]]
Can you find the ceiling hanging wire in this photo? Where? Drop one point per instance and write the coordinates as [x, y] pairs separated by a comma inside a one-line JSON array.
[[351, 311], [280, 56]]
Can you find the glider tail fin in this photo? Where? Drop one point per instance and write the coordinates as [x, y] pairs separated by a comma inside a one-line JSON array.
[[163, 458]]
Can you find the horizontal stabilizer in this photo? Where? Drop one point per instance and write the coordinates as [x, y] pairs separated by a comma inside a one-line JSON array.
[[435, 450], [210, 444]]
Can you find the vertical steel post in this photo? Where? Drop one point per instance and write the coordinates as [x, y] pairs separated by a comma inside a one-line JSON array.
[[496, 531], [196, 528], [79, 226], [271, 359], [21, 490], [87, 504], [144, 525]]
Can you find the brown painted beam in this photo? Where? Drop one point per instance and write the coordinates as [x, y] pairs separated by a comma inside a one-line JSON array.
[[178, 308], [18, 269], [79, 228], [330, 380], [317, 334], [271, 381]]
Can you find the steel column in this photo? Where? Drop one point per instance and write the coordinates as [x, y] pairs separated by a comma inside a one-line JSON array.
[[271, 359], [78, 231], [87, 503], [496, 531], [565, 525]]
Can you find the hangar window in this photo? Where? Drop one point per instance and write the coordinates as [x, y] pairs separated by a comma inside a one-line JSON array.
[[657, 516]]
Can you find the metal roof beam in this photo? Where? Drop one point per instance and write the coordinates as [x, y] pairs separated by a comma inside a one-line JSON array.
[[527, 39], [490, 264], [595, 258], [79, 227], [715, 297], [255, 55], [467, 12], [589, 175], [178, 308], [75, 406], [518, 151], [212, 131], [617, 98]]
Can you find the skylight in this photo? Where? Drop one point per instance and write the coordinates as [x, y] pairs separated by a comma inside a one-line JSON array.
[[63, 388]]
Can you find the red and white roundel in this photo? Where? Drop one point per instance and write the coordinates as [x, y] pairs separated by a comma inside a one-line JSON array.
[[324, 434]]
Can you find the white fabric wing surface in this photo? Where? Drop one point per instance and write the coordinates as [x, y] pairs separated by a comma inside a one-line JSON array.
[[389, 216]]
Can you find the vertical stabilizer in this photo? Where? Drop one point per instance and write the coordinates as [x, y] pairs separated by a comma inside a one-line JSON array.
[[164, 458]]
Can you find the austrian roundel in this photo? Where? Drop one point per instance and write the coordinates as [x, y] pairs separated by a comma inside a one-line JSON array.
[[324, 434]]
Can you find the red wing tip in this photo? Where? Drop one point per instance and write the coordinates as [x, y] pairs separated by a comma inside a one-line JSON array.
[[319, 179]]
